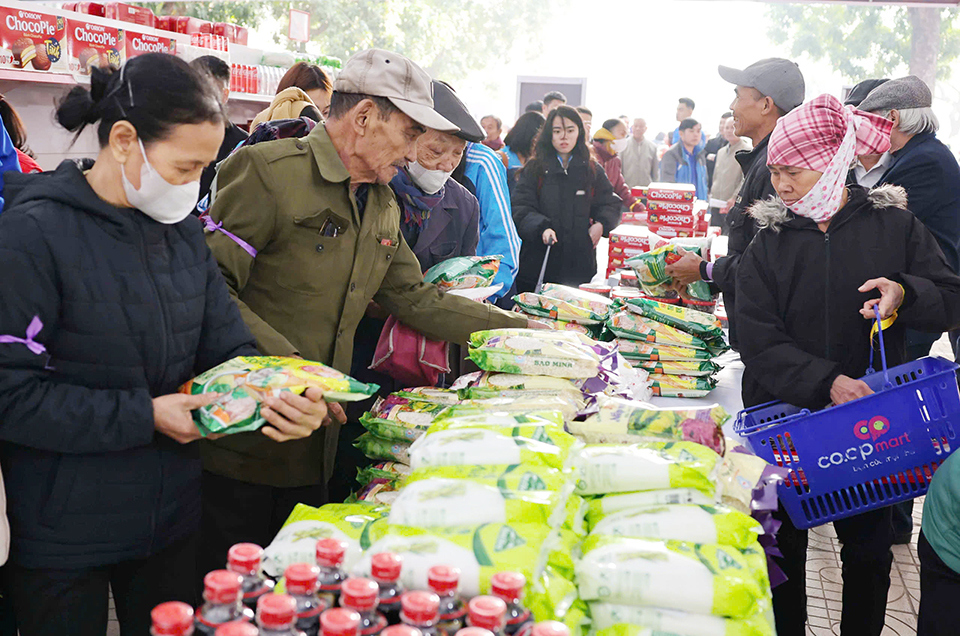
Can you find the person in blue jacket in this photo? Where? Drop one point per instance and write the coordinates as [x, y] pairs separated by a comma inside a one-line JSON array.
[[8, 160]]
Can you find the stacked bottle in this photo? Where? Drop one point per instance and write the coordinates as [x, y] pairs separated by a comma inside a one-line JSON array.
[[444, 581], [302, 583], [277, 615], [487, 612], [339, 622], [223, 602], [329, 554], [508, 587], [385, 569], [238, 628], [363, 597], [244, 559], [172, 619]]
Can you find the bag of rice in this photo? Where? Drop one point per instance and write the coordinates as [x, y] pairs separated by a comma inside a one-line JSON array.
[[401, 419], [628, 620], [563, 402], [245, 380], [385, 449], [646, 352], [697, 578], [544, 445], [429, 394], [696, 524], [550, 418], [565, 325], [390, 471], [681, 386], [597, 304], [701, 324], [695, 368], [651, 269], [554, 596], [561, 354], [598, 508], [556, 309], [624, 421], [464, 272], [625, 324], [378, 491], [356, 523], [609, 468], [514, 381]]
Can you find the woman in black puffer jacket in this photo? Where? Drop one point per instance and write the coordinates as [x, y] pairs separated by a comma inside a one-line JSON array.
[[111, 300]]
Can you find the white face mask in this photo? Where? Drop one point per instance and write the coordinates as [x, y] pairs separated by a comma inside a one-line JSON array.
[[158, 198], [619, 145], [430, 181]]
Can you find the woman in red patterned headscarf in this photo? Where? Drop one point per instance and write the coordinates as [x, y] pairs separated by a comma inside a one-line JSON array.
[[806, 290]]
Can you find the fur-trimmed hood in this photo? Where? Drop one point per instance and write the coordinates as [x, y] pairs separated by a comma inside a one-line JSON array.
[[772, 213]]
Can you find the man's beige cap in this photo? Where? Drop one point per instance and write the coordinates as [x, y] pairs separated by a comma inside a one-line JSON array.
[[385, 74]]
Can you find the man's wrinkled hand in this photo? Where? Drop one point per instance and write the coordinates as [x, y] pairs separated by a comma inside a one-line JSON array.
[[294, 416], [891, 297], [596, 233], [846, 389], [172, 415]]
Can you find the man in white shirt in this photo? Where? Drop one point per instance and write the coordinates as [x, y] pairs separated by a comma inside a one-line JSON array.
[[870, 168], [640, 165]]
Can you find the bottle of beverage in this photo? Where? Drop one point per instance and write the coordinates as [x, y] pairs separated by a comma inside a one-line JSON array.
[[238, 628], [508, 587], [330, 553], [488, 612], [302, 584], [172, 619], [223, 602], [244, 559], [474, 631], [277, 615], [550, 628], [339, 622], [444, 581], [421, 610], [401, 630], [363, 596], [385, 569]]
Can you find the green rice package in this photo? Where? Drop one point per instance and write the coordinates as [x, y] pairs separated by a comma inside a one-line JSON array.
[[597, 304], [514, 381], [377, 448], [355, 523], [681, 386], [401, 419], [628, 620], [429, 394], [591, 330], [636, 350], [598, 508], [651, 269], [544, 445], [626, 324], [556, 309], [625, 421], [464, 272], [696, 578], [561, 354], [520, 403], [697, 524], [390, 471], [619, 468], [550, 418], [555, 596], [695, 368], [703, 325], [378, 491]]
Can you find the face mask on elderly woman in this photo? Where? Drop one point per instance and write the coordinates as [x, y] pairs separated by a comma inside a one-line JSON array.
[[430, 181]]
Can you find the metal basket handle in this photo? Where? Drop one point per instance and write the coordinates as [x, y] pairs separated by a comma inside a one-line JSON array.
[[883, 352]]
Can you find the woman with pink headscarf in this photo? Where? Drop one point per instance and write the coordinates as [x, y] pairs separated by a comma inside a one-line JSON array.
[[828, 252]]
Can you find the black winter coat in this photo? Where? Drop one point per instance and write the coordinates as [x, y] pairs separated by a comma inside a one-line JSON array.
[[567, 201], [798, 300], [131, 309]]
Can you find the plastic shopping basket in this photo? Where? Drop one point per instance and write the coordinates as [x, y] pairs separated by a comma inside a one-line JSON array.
[[862, 455]]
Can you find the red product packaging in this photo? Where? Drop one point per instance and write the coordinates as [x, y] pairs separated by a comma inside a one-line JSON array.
[[224, 29], [140, 43], [129, 13], [634, 218], [682, 221], [630, 236], [671, 207], [671, 192], [188, 25], [93, 45], [666, 231], [90, 8], [640, 193], [239, 35], [32, 40], [167, 23]]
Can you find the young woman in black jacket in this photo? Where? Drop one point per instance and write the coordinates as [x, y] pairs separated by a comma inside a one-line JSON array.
[[112, 300], [562, 198]]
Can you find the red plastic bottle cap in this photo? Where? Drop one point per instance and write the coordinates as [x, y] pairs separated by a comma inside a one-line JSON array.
[[550, 628], [420, 607], [487, 612], [474, 631], [330, 552], [339, 622], [385, 566], [361, 595], [508, 586], [237, 628], [173, 619], [402, 630], [301, 578], [443, 579], [245, 558], [222, 586], [276, 611]]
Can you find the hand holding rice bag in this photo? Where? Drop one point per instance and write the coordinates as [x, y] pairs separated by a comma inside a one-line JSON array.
[[695, 368], [464, 272], [627, 620], [556, 309], [702, 579], [401, 419], [608, 468], [651, 269], [245, 380], [647, 352], [493, 445], [682, 386], [625, 324], [696, 524], [378, 448], [703, 325], [561, 354]]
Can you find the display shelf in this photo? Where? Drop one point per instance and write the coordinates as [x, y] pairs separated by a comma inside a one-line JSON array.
[[247, 97], [42, 77]]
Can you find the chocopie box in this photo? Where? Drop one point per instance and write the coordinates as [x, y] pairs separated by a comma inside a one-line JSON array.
[[660, 219], [671, 207], [129, 13], [671, 192], [93, 45], [668, 232], [630, 236], [141, 43], [32, 40]]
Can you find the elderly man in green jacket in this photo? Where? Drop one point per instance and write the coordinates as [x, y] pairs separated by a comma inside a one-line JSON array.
[[310, 235]]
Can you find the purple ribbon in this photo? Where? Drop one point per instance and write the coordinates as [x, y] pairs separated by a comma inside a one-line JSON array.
[[32, 330], [210, 226]]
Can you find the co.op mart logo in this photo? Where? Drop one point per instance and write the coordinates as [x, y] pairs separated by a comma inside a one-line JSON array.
[[870, 431]]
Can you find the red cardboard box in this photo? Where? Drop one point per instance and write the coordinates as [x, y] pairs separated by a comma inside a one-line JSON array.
[[634, 218], [671, 207], [188, 25], [90, 8], [630, 236], [668, 232], [91, 45], [240, 35], [32, 40], [670, 219], [129, 13], [671, 192], [140, 43], [167, 23]]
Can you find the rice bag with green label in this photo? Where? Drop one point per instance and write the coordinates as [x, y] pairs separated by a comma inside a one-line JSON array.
[[377, 448], [629, 620], [501, 419], [358, 524], [647, 352], [464, 272], [591, 330], [598, 508], [627, 421], [401, 419], [556, 309], [554, 596], [429, 394], [693, 368], [701, 324], [697, 524], [561, 354], [697, 578], [479, 552], [391, 471], [520, 403], [596, 303], [681, 386], [547, 446], [651, 269], [378, 491], [609, 468], [626, 324], [514, 381]]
